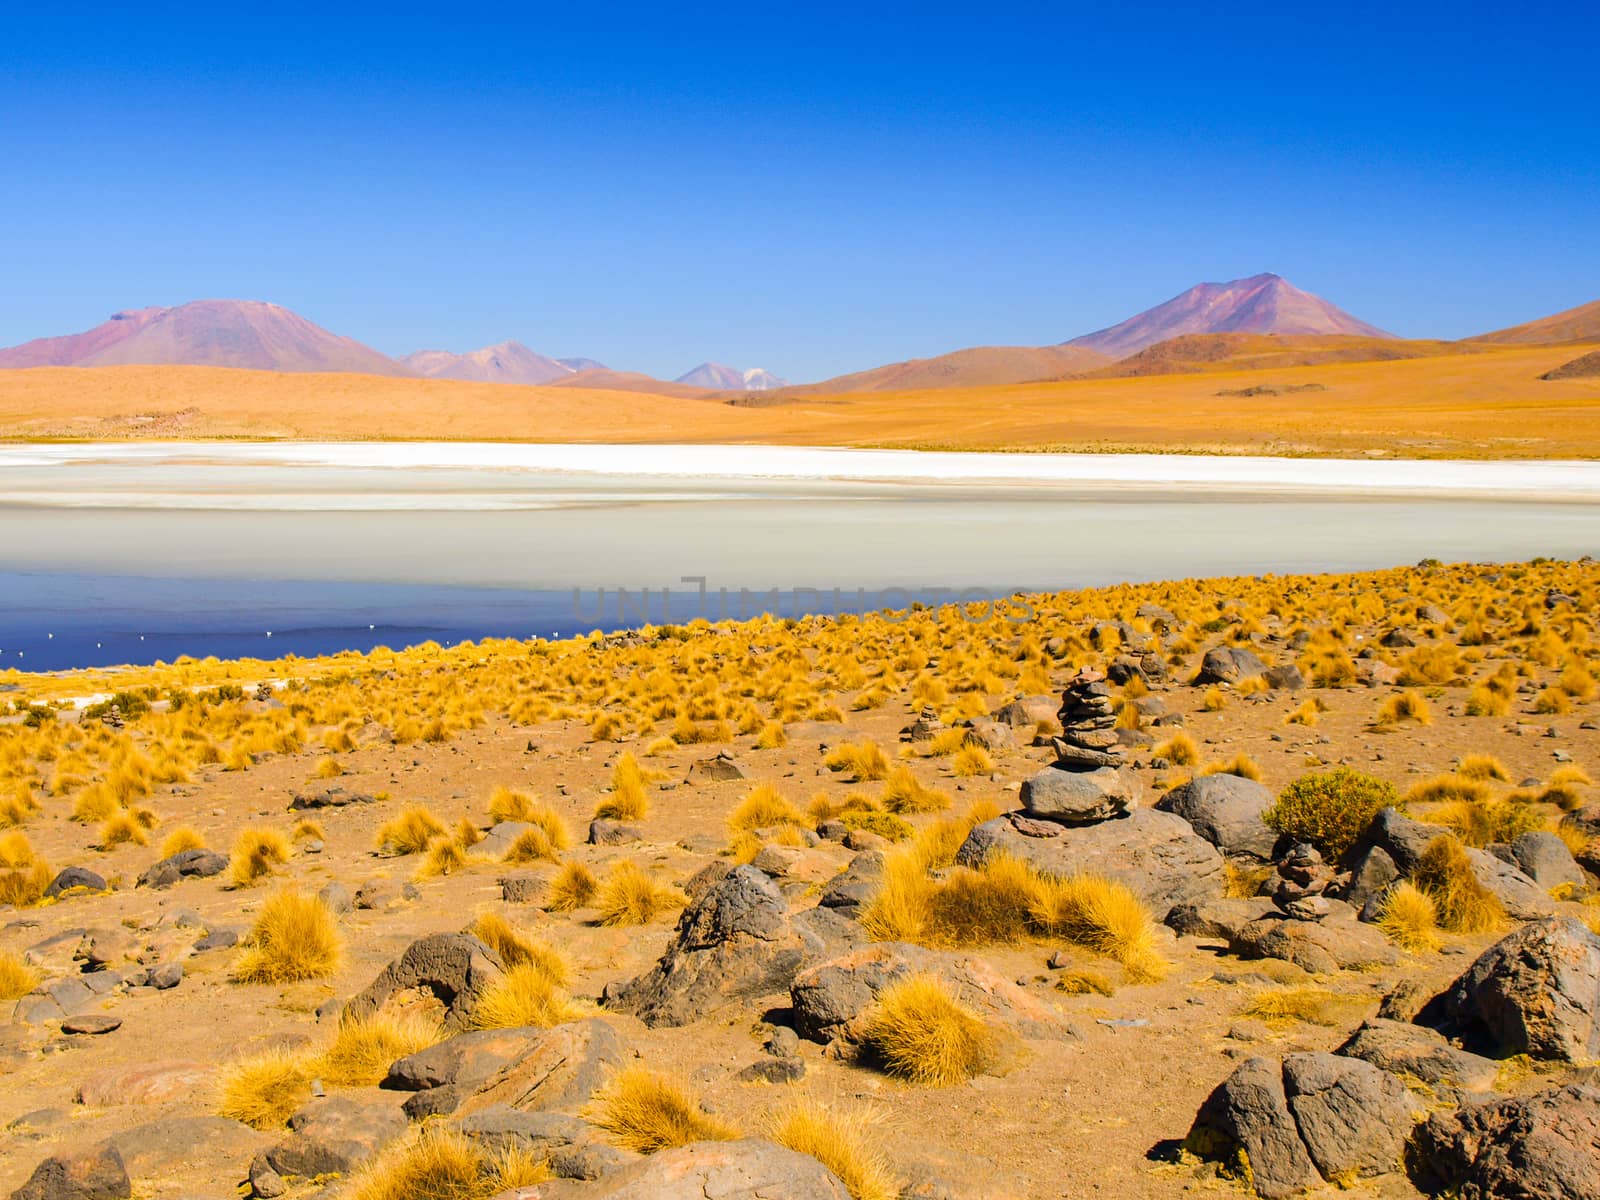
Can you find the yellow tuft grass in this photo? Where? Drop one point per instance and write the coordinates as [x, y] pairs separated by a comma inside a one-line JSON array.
[[847, 1144], [409, 833], [1464, 905], [295, 937], [902, 793], [861, 761], [516, 947], [17, 977], [362, 1050], [1179, 750], [329, 768], [629, 896], [1482, 767], [1083, 982], [1410, 919], [255, 853], [763, 808], [971, 761], [627, 801], [441, 1164], [1103, 916], [508, 804], [1241, 765], [525, 995], [181, 839], [646, 1112], [122, 829], [572, 887], [445, 856], [771, 736], [264, 1091], [1405, 706], [1314, 1006], [919, 1031]]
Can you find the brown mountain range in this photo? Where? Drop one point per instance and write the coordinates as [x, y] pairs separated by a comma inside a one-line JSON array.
[[1581, 324], [506, 362]]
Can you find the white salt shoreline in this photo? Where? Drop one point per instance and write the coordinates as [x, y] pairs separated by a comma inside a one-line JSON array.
[[1549, 480]]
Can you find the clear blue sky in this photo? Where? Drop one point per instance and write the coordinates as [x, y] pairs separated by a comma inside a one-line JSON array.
[[809, 188]]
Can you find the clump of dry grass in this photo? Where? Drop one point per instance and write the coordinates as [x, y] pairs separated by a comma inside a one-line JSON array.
[[17, 977], [1480, 823], [971, 761], [266, 1090], [919, 1031], [307, 830], [846, 1144], [1179, 749], [442, 1164], [526, 995], [329, 768], [1440, 789], [122, 829], [409, 833], [763, 808], [1482, 767], [902, 793], [646, 1112], [1307, 713], [1464, 905], [24, 886], [445, 856], [518, 948], [1410, 919], [572, 887], [1241, 765], [1214, 700], [181, 839], [1085, 982], [255, 853], [1103, 916], [508, 804], [295, 937], [629, 896], [771, 736], [627, 801], [1314, 1006], [1405, 706], [861, 761], [362, 1050], [1239, 883]]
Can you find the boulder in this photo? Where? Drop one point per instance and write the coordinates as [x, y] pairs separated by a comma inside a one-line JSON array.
[[210, 1146], [1226, 811], [94, 1174], [1543, 858], [1337, 942], [735, 942], [1406, 840], [614, 833], [1228, 664], [831, 1000], [1404, 1049], [74, 879], [1371, 875], [501, 1127], [1534, 992], [1544, 1146], [333, 1136], [186, 864], [1284, 677], [150, 1083], [1156, 854], [749, 1169], [1080, 797], [468, 1059], [560, 1072], [1311, 1118], [719, 768], [1220, 918], [55, 999], [454, 968], [1029, 712], [328, 798], [853, 888]]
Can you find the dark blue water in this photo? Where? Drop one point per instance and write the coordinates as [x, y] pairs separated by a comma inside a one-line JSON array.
[[52, 622]]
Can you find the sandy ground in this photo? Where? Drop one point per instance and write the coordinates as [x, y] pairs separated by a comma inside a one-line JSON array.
[[1073, 1119]]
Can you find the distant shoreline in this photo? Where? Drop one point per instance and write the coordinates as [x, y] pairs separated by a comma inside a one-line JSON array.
[[1548, 480]]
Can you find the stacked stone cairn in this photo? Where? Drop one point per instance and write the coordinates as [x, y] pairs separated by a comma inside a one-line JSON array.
[[1303, 878], [1084, 786]]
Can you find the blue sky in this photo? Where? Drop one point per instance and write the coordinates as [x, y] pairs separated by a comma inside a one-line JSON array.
[[812, 189]]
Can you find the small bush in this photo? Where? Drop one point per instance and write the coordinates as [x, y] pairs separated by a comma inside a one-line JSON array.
[[1464, 905], [630, 897], [1410, 919], [1330, 810], [17, 978], [846, 1145], [255, 853], [265, 1091], [627, 801], [646, 1112], [409, 833], [295, 937], [572, 887], [920, 1032], [363, 1049], [885, 825]]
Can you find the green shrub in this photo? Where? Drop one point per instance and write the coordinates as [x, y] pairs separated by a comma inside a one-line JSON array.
[[885, 825], [1331, 809]]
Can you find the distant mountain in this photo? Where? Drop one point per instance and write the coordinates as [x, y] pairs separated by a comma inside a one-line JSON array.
[[215, 333], [1195, 352], [582, 364], [1586, 367], [980, 366], [1260, 304], [716, 377], [508, 362], [605, 379], [1581, 324]]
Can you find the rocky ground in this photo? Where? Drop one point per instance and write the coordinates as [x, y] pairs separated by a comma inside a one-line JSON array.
[[1265, 1032]]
